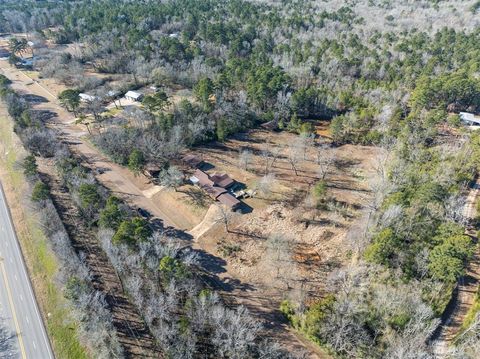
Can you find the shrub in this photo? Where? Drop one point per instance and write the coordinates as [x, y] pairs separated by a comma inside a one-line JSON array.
[[383, 247], [136, 161], [446, 261], [112, 214], [29, 165], [132, 231], [89, 196], [172, 268], [40, 192]]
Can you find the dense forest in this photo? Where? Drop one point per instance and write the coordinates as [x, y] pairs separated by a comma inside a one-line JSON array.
[[388, 74]]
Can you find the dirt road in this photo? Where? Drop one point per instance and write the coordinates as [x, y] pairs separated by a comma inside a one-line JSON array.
[[467, 287], [116, 178]]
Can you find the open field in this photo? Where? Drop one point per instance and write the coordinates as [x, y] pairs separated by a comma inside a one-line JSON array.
[[41, 261]]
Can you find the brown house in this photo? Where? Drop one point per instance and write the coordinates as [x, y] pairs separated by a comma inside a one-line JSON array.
[[228, 200], [222, 180], [216, 187], [202, 179]]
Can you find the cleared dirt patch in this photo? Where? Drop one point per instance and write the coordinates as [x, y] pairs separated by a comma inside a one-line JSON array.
[[319, 240]]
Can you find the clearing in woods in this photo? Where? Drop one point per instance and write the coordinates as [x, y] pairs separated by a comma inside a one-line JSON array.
[[318, 237]]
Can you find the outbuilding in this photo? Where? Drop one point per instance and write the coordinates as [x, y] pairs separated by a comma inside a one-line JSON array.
[[134, 96], [86, 97], [469, 118]]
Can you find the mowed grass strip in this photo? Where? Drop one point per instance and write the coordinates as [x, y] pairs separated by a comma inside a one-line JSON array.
[[41, 261]]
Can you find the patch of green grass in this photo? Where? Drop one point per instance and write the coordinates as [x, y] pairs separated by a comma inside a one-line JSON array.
[[42, 263]]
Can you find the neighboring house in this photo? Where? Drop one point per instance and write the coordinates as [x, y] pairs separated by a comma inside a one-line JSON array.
[[134, 96], [469, 119], [216, 187], [86, 97]]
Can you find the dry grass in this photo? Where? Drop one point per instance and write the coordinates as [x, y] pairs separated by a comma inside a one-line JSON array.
[[319, 237]]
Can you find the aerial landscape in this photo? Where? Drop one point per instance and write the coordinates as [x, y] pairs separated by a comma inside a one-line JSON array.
[[287, 179]]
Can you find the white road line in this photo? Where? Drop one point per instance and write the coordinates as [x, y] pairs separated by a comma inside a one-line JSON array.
[[21, 297], [34, 345], [26, 318]]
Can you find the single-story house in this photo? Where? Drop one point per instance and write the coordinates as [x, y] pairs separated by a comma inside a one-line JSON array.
[[214, 191], [214, 187], [134, 96], [222, 180], [228, 200], [469, 118], [86, 98], [201, 178], [192, 161]]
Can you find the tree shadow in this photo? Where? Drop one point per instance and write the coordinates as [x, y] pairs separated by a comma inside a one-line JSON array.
[[43, 115], [197, 196], [34, 99], [344, 163]]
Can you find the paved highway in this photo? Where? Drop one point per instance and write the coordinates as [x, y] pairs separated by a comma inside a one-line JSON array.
[[18, 307]]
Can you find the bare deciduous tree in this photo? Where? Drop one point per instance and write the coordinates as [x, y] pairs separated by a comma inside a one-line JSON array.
[[294, 155], [264, 186], [269, 155], [244, 159], [325, 160]]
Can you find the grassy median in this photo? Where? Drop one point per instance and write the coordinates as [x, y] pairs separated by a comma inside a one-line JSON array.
[[41, 261]]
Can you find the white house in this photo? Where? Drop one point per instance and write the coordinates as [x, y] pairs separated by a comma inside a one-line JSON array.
[[86, 98], [469, 119], [133, 96]]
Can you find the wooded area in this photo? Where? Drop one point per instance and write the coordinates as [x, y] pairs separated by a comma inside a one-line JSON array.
[[391, 75]]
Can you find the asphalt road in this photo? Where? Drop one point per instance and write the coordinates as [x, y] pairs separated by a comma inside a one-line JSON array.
[[18, 307]]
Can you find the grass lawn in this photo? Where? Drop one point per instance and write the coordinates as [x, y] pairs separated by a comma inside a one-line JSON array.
[[41, 261]]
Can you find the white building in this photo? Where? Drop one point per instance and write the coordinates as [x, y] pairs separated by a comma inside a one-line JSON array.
[[133, 96], [86, 98], [469, 119]]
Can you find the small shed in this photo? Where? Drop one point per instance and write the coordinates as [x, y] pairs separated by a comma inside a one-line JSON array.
[[469, 118], [134, 96], [86, 97]]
